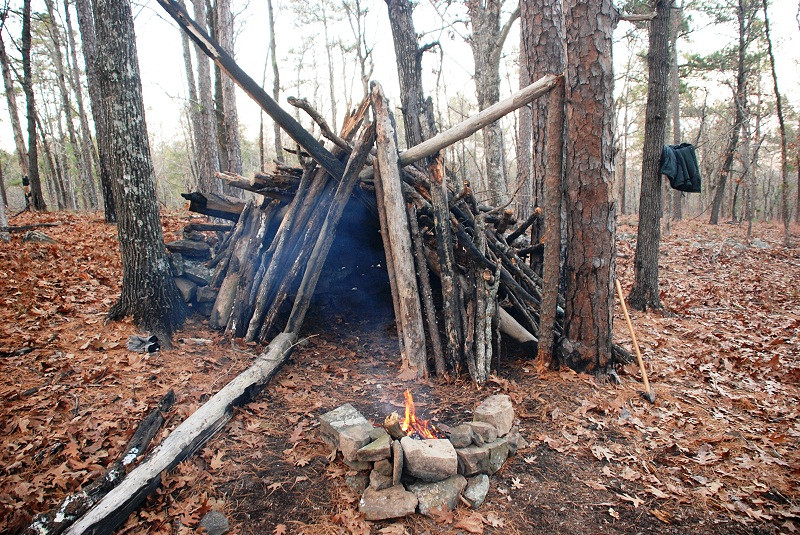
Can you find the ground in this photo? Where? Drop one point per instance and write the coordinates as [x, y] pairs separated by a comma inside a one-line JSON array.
[[717, 453]]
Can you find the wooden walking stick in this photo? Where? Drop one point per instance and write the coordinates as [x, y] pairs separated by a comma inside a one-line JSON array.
[[648, 393]]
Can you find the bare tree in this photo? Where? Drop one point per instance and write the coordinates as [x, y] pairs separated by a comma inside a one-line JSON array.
[[233, 148], [276, 79], [89, 44], [487, 42], [35, 196], [644, 293], [11, 100]]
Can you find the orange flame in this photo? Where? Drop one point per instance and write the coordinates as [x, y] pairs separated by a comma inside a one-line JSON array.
[[411, 425]]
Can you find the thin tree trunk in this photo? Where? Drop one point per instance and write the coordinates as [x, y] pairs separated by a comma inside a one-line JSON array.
[[89, 42], [36, 197], [739, 100], [785, 210], [11, 100], [231, 120], [644, 293], [276, 80], [89, 196], [87, 149], [553, 189]]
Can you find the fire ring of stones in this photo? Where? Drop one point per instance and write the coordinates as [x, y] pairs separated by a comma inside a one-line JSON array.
[[402, 475]]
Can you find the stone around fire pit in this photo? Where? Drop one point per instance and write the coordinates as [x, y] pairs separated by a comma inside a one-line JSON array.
[[429, 460], [393, 502], [486, 459], [379, 481], [441, 495], [397, 462], [498, 411], [376, 450], [477, 489], [346, 429], [484, 431], [461, 436]]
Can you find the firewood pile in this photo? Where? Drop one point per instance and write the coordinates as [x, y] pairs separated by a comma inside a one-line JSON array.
[[267, 267]]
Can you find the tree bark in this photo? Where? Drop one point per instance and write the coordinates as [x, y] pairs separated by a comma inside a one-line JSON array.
[[524, 133], [590, 210], [644, 293], [89, 44], [13, 111], [36, 198], [149, 293], [675, 101]]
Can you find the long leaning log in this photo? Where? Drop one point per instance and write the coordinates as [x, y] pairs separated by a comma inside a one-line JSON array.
[[189, 436]]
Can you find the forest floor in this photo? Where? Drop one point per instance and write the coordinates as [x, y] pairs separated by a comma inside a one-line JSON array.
[[719, 451]]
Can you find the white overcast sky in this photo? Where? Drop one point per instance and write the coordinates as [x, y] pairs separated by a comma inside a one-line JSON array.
[[164, 83]]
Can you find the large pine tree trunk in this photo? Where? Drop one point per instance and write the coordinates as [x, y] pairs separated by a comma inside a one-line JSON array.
[[36, 197], [644, 293], [89, 42], [149, 293], [590, 211]]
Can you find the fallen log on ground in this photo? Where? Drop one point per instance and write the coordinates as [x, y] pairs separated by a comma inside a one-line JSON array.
[[188, 437], [74, 506]]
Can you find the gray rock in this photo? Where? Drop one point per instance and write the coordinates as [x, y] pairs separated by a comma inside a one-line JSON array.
[[197, 272], [187, 288], [377, 432], [376, 450], [345, 429], [461, 436], [359, 466], [441, 495], [498, 453], [515, 441], [429, 460], [38, 237], [393, 502], [486, 431], [358, 482], [496, 410], [473, 460], [759, 244], [477, 489], [384, 467], [379, 481], [215, 523], [397, 462], [190, 249]]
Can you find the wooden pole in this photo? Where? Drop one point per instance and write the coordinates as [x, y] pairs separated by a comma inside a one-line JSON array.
[[399, 236], [649, 395]]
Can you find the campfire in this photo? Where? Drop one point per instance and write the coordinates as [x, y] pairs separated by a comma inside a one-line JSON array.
[[410, 465], [413, 427]]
